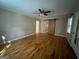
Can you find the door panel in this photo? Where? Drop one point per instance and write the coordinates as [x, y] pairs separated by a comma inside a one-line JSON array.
[[51, 26], [77, 35], [77, 41]]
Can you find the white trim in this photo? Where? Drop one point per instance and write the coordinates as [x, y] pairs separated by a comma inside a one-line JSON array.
[[61, 35], [19, 38], [69, 42]]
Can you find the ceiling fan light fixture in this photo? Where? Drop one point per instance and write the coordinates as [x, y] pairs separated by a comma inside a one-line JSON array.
[[41, 14]]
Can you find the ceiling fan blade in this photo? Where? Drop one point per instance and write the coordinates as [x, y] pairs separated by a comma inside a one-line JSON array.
[[45, 14], [47, 11], [40, 10]]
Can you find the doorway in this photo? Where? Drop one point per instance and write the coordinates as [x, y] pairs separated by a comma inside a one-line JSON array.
[[37, 26]]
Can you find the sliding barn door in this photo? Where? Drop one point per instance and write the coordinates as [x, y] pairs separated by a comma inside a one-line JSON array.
[[51, 26]]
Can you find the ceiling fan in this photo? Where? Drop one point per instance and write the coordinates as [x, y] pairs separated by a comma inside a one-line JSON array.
[[43, 12]]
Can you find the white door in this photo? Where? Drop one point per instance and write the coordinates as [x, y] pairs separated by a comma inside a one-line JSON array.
[[76, 41]]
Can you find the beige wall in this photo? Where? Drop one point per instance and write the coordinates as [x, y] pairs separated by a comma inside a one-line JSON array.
[[61, 26], [13, 25]]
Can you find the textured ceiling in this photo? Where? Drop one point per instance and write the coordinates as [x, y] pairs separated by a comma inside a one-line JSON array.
[[28, 7]]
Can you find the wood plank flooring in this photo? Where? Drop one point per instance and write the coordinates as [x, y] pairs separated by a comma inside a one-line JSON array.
[[41, 46]]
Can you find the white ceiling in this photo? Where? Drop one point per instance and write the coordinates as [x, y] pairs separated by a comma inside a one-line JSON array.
[[28, 7]]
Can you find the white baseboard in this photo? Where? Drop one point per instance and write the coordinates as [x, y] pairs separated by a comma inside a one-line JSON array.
[[60, 35], [19, 38]]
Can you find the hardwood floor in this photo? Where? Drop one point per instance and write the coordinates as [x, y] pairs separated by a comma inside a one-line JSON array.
[[41, 46]]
